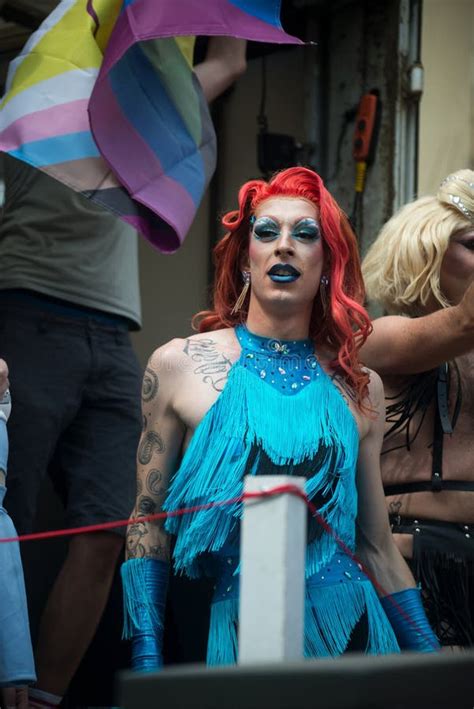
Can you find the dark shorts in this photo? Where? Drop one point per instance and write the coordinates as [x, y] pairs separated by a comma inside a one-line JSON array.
[[75, 386], [443, 563]]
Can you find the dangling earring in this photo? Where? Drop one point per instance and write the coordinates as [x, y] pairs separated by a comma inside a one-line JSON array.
[[243, 293], [323, 293]]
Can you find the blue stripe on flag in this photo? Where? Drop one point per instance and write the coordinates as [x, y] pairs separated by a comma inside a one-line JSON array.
[[266, 10], [157, 120], [61, 148]]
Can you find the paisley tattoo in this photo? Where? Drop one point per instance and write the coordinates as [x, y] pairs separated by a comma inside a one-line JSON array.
[[146, 505], [213, 366], [153, 481], [150, 444], [150, 385]]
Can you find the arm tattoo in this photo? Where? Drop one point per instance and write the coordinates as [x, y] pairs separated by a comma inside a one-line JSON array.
[[394, 507], [151, 443], [146, 506], [135, 548], [213, 366], [153, 481], [150, 385]]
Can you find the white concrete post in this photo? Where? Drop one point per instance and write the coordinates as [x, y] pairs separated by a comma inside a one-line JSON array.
[[272, 555]]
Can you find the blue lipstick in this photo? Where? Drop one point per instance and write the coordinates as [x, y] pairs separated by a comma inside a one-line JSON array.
[[283, 273]]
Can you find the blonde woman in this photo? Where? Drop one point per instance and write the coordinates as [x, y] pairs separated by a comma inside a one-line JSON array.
[[421, 270]]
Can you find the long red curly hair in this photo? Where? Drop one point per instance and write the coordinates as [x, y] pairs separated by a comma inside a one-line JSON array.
[[344, 325]]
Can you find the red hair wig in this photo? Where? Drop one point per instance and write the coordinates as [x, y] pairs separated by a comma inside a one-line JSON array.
[[344, 325]]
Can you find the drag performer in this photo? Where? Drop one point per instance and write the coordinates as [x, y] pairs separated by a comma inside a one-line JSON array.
[[421, 269], [272, 384]]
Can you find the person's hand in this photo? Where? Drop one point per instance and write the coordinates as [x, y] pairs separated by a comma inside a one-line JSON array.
[[14, 697], [4, 383]]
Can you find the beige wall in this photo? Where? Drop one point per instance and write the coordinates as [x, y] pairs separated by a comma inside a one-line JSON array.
[[447, 105], [173, 287]]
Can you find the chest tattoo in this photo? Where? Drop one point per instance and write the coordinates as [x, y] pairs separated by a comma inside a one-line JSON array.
[[212, 366]]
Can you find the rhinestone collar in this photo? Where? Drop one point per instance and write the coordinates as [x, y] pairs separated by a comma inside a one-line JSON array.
[[272, 346]]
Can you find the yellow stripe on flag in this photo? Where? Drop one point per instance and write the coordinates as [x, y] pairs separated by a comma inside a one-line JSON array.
[[68, 45]]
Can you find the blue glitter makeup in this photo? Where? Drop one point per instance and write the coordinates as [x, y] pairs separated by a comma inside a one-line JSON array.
[[307, 230], [267, 229]]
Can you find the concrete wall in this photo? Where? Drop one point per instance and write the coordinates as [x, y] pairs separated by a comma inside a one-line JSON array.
[[447, 105]]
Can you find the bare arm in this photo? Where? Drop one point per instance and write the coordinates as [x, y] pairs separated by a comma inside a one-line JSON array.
[[157, 455], [375, 545], [400, 345], [224, 63], [4, 383]]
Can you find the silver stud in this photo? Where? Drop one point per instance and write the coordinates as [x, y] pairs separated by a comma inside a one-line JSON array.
[[281, 370], [468, 536], [415, 521], [306, 378], [229, 561], [322, 578], [466, 527], [229, 589], [294, 385], [346, 573], [417, 529], [263, 374]]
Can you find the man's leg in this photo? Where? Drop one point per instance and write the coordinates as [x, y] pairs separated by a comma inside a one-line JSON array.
[[93, 470], [74, 608]]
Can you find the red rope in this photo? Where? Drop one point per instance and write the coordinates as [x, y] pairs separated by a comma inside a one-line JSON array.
[[279, 490]]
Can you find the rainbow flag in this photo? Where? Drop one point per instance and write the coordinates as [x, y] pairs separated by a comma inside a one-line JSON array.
[[103, 98]]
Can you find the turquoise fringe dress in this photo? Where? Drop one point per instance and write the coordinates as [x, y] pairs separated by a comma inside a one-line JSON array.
[[279, 413]]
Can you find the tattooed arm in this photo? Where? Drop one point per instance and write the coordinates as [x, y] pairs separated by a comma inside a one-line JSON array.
[[157, 455]]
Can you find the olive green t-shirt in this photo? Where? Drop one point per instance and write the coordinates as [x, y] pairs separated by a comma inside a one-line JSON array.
[[56, 242]]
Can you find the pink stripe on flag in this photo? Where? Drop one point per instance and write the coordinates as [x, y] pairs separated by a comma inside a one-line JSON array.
[[51, 122], [139, 167], [162, 18]]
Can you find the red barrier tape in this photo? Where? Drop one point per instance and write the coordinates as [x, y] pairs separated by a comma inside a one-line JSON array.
[[262, 494]]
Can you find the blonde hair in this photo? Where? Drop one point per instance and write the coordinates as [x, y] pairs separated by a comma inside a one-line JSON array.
[[402, 267]]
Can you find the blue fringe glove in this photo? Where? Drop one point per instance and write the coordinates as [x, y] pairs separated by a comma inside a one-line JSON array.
[[416, 634], [145, 583]]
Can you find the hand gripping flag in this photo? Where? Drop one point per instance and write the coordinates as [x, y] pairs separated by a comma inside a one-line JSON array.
[[103, 98]]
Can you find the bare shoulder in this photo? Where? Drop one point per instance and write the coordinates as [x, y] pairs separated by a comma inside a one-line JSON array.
[[375, 385]]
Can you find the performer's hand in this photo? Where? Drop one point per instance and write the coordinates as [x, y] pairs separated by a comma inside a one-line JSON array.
[[14, 697], [4, 383]]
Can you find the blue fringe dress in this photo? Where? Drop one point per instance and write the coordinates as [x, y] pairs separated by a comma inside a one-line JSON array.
[[279, 413]]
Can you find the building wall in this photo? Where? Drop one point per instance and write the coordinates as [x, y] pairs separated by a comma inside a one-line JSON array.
[[447, 104]]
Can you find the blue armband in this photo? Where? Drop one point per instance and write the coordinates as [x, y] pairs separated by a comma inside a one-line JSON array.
[[408, 619], [145, 584]]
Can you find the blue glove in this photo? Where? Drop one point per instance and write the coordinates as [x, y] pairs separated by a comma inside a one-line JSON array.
[[415, 633], [145, 583]]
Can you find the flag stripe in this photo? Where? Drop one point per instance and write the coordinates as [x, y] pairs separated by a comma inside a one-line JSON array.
[[52, 150], [57, 120]]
